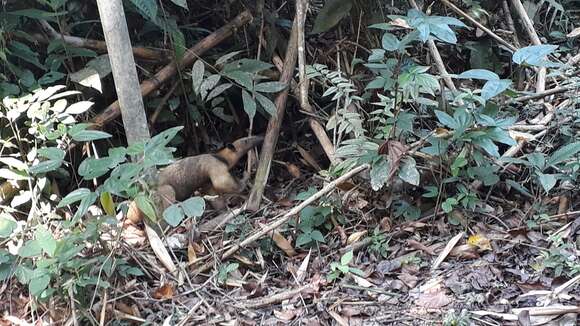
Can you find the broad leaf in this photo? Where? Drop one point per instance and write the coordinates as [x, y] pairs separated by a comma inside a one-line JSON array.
[[332, 12], [193, 207]]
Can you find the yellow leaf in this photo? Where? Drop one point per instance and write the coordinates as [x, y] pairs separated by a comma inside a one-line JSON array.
[[107, 203], [480, 241]]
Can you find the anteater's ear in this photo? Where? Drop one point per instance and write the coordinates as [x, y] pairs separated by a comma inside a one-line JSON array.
[[231, 147]]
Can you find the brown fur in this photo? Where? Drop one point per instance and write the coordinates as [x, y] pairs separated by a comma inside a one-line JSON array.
[[192, 173], [209, 173]]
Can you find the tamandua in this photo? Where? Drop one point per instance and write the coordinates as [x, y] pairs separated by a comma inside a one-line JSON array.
[[209, 173]]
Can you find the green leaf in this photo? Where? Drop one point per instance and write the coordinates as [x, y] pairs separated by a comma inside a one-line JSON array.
[[269, 87], [488, 145], [303, 239], [193, 207], [446, 119], [226, 57], [74, 196], [147, 8], [265, 103], [89, 135], [38, 284], [31, 248], [390, 42], [249, 104], [197, 72], [408, 171], [173, 215], [317, 236], [537, 159], [533, 54], [519, 188], [242, 78], [7, 225], [495, 87], [46, 241], [332, 12], [548, 181], [52, 153], [482, 74], [94, 167], [217, 91], [379, 174], [432, 192], [45, 166], [83, 208], [181, 3], [564, 153], [146, 206], [346, 258]]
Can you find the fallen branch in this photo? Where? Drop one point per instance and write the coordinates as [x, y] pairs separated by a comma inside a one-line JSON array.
[[101, 46], [549, 92], [282, 220], [149, 85], [278, 297], [273, 130]]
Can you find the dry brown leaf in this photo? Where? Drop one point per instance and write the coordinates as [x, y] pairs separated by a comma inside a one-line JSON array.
[[301, 272], [362, 281], [432, 296], [345, 186], [283, 244], [308, 158], [465, 251], [285, 202], [163, 292], [293, 170], [446, 250], [191, 254], [356, 237]]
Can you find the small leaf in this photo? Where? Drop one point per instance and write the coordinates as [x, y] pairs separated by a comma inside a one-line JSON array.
[[409, 172], [317, 236], [107, 203], [173, 215], [249, 104], [31, 248], [446, 119], [548, 181], [193, 207], [265, 103], [197, 72], [79, 107], [564, 153], [495, 87], [52, 153], [379, 174], [74, 196], [482, 74], [89, 135], [38, 284], [146, 206], [269, 87], [46, 241], [181, 3], [7, 225], [346, 258], [390, 42], [45, 166]]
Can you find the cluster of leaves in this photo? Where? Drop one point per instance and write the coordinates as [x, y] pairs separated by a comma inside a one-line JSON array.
[[43, 125], [244, 73], [471, 128]]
